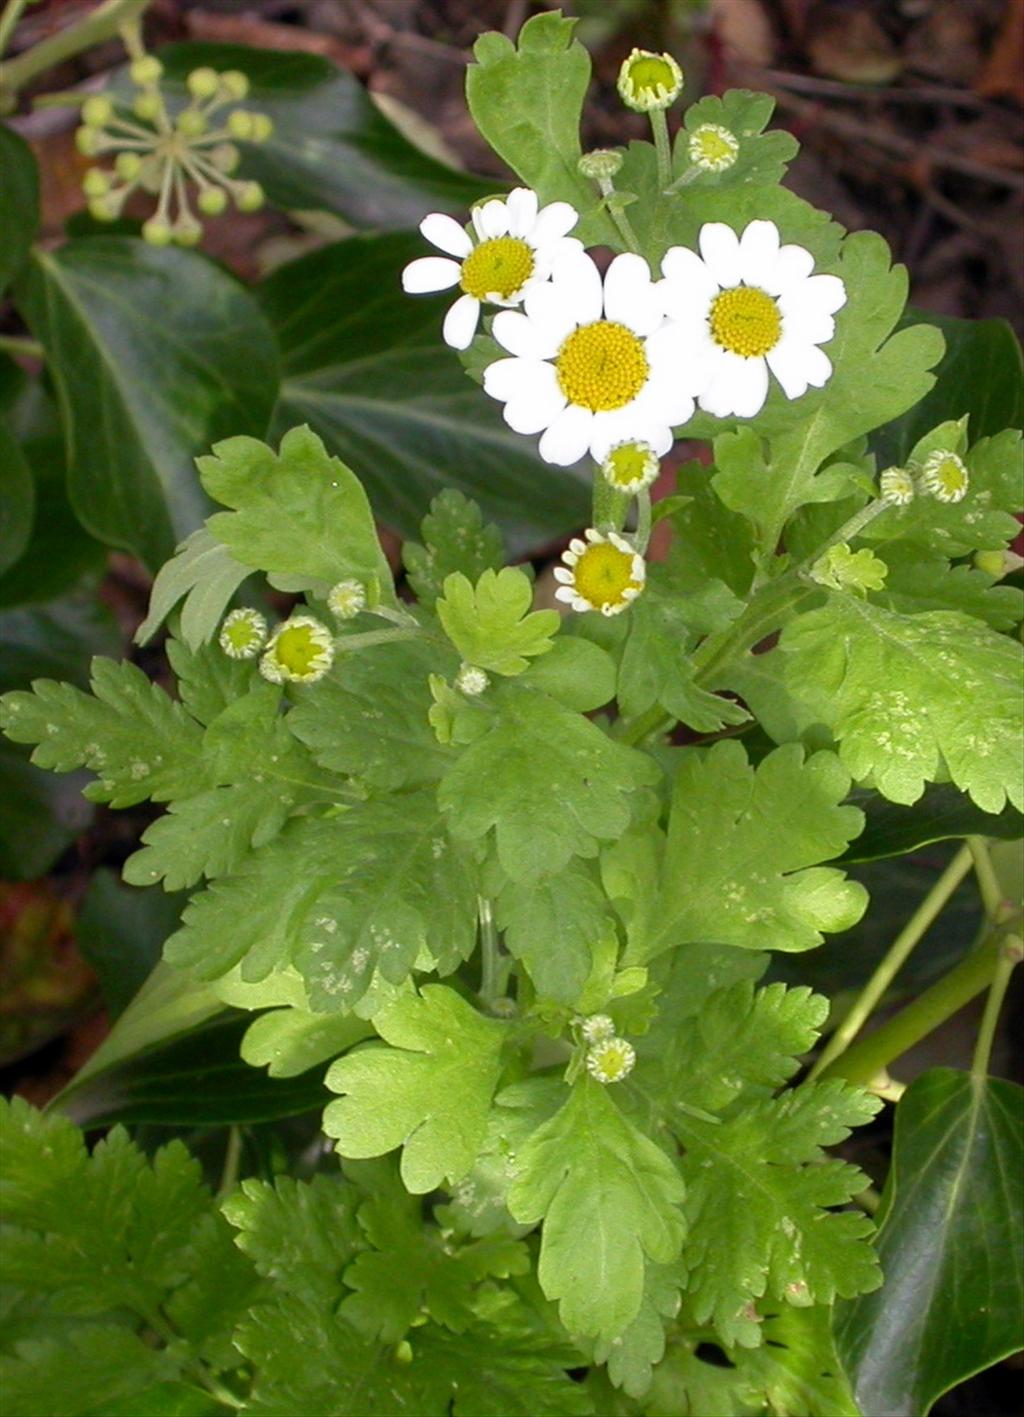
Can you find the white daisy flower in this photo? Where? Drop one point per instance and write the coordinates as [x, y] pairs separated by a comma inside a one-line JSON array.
[[590, 367], [600, 573], [744, 306], [511, 250]]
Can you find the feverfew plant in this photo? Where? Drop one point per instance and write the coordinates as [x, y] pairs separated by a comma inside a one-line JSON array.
[[514, 874]]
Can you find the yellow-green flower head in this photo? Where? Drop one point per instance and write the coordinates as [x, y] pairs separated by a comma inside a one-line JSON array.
[[945, 476], [243, 634], [713, 148], [611, 1060], [630, 467], [598, 1028], [648, 81], [346, 599], [301, 650], [471, 681], [601, 165], [601, 573], [896, 486]]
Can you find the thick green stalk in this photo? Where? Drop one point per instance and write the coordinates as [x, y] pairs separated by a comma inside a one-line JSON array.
[[13, 11], [16, 344], [608, 505], [1010, 956], [103, 23], [894, 959], [971, 977]]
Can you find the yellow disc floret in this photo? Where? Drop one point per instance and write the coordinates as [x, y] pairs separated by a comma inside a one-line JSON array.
[[300, 651], [611, 1060], [500, 268], [601, 366], [745, 321]]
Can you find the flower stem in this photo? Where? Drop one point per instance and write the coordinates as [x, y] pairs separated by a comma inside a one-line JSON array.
[[643, 520], [13, 11], [232, 1157], [1010, 956], [104, 22], [608, 504], [659, 129], [346, 643], [15, 344], [490, 965], [894, 959]]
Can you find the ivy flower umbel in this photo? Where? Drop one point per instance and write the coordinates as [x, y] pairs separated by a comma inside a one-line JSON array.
[[649, 81], [944, 475], [600, 573], [744, 306], [300, 651], [512, 248], [589, 366]]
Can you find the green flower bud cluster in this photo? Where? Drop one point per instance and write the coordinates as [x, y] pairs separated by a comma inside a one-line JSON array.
[[172, 157]]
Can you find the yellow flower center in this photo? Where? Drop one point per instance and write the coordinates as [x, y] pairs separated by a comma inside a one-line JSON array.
[[300, 650], [652, 76], [945, 476], [603, 574], [630, 466], [499, 267], [745, 321], [601, 366], [713, 147]]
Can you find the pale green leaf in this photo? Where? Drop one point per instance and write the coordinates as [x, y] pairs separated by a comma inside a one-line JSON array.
[[609, 1198], [455, 538], [921, 580], [290, 1041], [204, 574], [762, 158], [552, 926], [429, 1092], [491, 624], [911, 699]]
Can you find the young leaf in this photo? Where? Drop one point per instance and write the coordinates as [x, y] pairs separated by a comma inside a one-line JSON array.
[[430, 1092], [298, 514], [89, 1370], [205, 575], [609, 1200], [911, 697], [455, 538], [552, 926], [761, 159], [757, 1187], [549, 783], [208, 679], [491, 625], [138, 740], [741, 857]]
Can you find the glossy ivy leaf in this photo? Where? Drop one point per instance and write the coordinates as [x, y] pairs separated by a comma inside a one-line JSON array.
[[911, 697], [527, 102], [759, 1207], [491, 624], [411, 1269], [21, 203], [455, 538], [950, 1243], [980, 374], [368, 717], [742, 1044], [340, 898], [429, 1092], [17, 498], [548, 782], [202, 573], [551, 929], [332, 149], [373, 378], [609, 1199], [174, 352], [741, 855], [986, 516], [762, 158], [939, 814], [298, 514], [139, 741], [796, 1372]]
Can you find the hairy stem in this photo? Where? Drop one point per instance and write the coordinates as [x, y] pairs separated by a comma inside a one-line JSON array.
[[659, 130], [895, 958], [232, 1157], [106, 21], [608, 505]]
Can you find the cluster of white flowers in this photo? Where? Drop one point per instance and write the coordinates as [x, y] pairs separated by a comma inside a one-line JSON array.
[[596, 363]]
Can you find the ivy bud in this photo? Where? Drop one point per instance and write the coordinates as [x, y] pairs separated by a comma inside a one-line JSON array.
[[249, 196], [191, 124], [147, 106], [105, 208], [146, 71], [157, 232], [212, 201], [234, 83], [203, 83], [224, 157], [262, 128], [128, 166], [97, 111], [96, 182], [187, 231], [240, 124], [87, 141]]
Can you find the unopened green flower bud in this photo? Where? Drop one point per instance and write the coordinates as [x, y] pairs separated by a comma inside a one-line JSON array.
[[945, 476], [191, 124], [993, 563], [157, 232], [300, 651], [240, 124], [97, 111], [630, 467], [203, 83], [187, 231], [243, 634], [601, 165], [896, 486], [146, 106], [249, 196], [212, 201], [146, 71], [234, 83], [262, 128], [128, 166], [88, 141], [346, 599], [598, 1028], [105, 208], [648, 81], [471, 681], [713, 148], [224, 157], [96, 182]]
